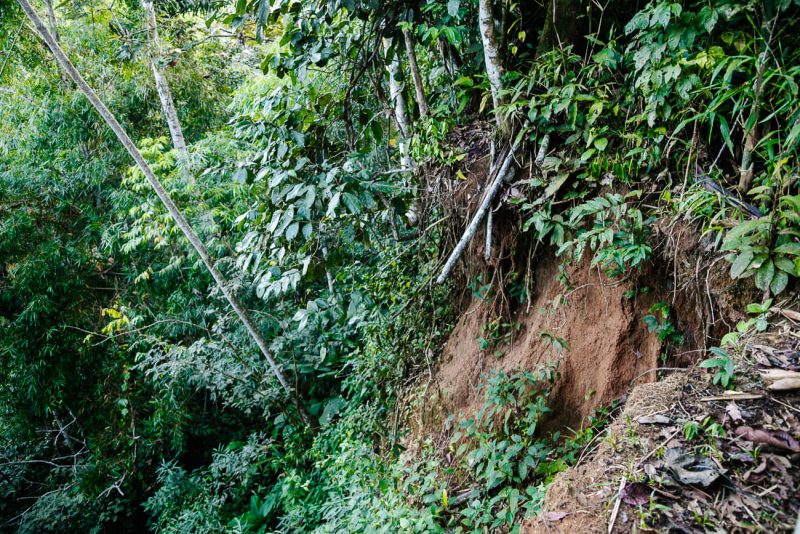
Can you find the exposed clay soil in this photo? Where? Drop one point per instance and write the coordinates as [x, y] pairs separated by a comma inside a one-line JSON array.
[[609, 348]]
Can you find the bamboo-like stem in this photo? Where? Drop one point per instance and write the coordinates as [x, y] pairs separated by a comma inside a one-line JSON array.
[[175, 213], [398, 100]]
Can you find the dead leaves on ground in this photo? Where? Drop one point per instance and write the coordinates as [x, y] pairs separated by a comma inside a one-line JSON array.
[[773, 438]]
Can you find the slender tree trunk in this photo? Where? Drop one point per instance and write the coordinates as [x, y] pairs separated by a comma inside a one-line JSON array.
[[51, 20], [419, 88], [399, 102], [177, 216], [162, 87], [491, 55]]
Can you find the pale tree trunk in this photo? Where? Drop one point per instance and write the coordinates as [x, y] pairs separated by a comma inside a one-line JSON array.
[[419, 88], [399, 103], [166, 200], [491, 55], [162, 87], [51, 20]]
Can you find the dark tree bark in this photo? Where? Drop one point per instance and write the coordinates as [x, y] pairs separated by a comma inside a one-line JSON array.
[[564, 24]]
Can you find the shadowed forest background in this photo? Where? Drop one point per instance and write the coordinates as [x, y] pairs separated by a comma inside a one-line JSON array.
[[433, 247]]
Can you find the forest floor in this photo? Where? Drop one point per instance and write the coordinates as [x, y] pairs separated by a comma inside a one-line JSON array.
[[687, 456]]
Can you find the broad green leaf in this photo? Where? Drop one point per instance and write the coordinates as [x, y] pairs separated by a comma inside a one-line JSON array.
[[779, 282], [784, 264], [292, 230], [789, 248], [263, 11], [764, 275], [601, 143], [352, 203], [452, 7], [741, 263]]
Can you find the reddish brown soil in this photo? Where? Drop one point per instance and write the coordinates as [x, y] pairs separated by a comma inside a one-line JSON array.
[[609, 348]]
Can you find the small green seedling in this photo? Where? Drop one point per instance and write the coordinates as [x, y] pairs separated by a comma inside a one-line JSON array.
[[724, 365]]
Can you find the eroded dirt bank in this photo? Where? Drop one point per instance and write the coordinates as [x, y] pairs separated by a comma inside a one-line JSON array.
[[608, 346]]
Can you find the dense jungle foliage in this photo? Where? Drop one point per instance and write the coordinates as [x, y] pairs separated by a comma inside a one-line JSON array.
[[133, 399]]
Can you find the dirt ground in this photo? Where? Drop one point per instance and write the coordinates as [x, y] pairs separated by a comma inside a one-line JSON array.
[[743, 443], [609, 347]]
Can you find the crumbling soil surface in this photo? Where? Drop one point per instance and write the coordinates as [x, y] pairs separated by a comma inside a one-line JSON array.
[[609, 347], [688, 456], [579, 499]]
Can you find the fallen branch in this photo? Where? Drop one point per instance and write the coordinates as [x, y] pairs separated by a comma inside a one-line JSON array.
[[733, 396], [543, 146], [488, 252], [616, 506], [502, 175]]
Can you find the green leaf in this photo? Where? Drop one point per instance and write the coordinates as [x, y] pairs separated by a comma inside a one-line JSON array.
[[352, 203], [719, 352], [784, 264], [725, 130], [332, 407], [263, 11], [601, 143], [764, 275], [789, 248], [555, 185], [779, 282], [334, 204], [292, 230], [452, 7], [741, 263]]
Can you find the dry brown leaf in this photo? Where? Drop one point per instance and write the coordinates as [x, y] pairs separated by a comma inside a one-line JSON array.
[[733, 412], [785, 384], [773, 375], [657, 419], [554, 516], [789, 314], [774, 438]]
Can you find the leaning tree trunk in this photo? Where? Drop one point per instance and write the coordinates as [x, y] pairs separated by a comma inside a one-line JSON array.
[[491, 55], [399, 103], [177, 216], [562, 24], [419, 88], [162, 87]]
